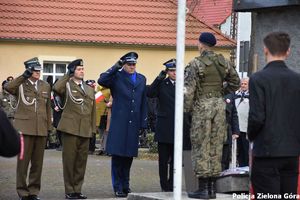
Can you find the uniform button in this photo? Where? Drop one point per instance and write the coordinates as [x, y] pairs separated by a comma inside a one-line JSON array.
[[132, 101], [130, 122], [132, 111], [132, 90]]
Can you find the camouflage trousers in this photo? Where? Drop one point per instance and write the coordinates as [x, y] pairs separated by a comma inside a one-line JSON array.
[[208, 133]]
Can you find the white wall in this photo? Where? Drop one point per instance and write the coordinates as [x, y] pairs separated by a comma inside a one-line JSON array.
[[243, 33]]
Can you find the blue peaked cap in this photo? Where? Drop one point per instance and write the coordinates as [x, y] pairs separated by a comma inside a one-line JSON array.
[[170, 64], [130, 57]]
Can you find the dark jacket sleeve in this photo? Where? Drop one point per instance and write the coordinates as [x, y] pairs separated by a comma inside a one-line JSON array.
[[257, 112], [153, 90], [9, 137], [106, 79], [234, 118]]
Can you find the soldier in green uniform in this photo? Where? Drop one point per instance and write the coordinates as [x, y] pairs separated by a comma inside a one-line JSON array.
[[33, 120], [7, 101], [77, 124], [207, 78]]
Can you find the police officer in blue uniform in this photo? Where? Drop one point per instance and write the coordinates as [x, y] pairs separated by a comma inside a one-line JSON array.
[[164, 90], [129, 115]]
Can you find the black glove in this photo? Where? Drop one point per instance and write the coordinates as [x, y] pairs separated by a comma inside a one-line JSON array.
[[119, 64], [27, 73], [162, 75]]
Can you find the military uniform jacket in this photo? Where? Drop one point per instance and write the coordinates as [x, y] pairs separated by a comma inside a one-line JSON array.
[[164, 90], [205, 76], [129, 111], [33, 112], [273, 123], [79, 115]]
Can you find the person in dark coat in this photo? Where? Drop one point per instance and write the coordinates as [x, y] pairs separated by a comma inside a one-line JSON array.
[[164, 89], [9, 137], [273, 123], [129, 116], [92, 145], [232, 129], [57, 105]]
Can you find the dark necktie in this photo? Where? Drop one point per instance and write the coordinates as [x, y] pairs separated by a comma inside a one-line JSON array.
[[242, 97], [80, 85], [34, 85]]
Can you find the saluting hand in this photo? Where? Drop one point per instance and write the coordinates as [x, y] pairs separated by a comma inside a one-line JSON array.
[[28, 72], [119, 64], [71, 71], [162, 75]]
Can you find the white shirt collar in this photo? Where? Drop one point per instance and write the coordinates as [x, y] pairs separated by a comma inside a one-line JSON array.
[[172, 81], [36, 83]]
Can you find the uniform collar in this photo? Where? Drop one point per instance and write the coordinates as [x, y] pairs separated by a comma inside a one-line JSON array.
[[172, 81], [34, 83]]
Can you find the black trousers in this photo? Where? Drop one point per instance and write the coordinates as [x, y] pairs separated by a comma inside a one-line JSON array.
[[226, 154], [120, 172], [274, 178], [243, 150], [165, 163], [92, 144]]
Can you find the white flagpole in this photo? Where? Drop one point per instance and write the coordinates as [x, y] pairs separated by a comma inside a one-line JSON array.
[[180, 50]]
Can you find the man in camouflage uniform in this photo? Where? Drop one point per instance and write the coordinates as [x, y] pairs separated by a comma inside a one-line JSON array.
[[207, 78], [7, 101]]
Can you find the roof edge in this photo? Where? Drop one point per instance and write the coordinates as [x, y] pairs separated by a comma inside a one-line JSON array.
[[62, 42], [211, 27]]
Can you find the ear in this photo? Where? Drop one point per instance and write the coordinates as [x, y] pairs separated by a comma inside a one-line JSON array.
[[266, 50], [288, 52]]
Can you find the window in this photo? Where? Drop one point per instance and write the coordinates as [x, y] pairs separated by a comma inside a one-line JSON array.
[[55, 66], [54, 69]]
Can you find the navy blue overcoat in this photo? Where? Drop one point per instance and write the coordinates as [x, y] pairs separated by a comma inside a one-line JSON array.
[[129, 111]]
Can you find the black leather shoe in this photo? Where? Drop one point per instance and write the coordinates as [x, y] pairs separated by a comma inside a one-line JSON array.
[[24, 198], [127, 191], [71, 196], [120, 194], [80, 196], [33, 197]]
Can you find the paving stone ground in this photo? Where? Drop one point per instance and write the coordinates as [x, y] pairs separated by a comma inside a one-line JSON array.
[[97, 185]]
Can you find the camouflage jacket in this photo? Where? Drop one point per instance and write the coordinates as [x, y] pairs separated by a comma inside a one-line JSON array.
[[208, 75], [6, 103]]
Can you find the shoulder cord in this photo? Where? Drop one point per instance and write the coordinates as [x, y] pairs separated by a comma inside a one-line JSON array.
[[34, 101], [21, 95], [73, 99]]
